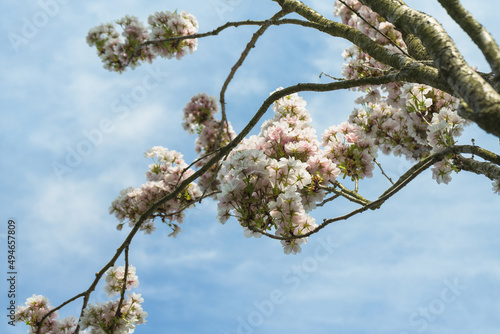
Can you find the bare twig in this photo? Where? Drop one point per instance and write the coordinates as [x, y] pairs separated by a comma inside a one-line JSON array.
[[329, 199], [382, 170], [350, 195], [331, 77], [187, 206], [194, 163], [244, 54]]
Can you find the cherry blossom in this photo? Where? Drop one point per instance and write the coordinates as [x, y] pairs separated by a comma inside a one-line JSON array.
[[35, 308], [162, 177], [100, 317], [115, 280], [496, 186], [267, 182], [138, 43]]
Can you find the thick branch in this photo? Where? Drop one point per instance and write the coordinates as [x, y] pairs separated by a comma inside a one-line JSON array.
[[476, 32], [414, 70], [415, 47], [488, 169], [466, 83]]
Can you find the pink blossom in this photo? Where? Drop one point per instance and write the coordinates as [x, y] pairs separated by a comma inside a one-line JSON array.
[[496, 186], [441, 171]]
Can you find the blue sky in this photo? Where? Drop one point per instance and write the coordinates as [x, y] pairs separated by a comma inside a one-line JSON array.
[[427, 262]]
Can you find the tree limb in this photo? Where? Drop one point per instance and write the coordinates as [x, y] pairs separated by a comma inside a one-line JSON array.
[[476, 32], [488, 169], [482, 99]]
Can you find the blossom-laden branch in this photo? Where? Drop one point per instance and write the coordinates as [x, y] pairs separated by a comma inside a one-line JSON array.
[[143, 221], [491, 169], [43, 318], [118, 312], [271, 181]]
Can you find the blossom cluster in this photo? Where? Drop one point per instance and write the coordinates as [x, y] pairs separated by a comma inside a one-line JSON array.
[[496, 186], [271, 180], [98, 318], [35, 308], [352, 151], [199, 112], [405, 127], [199, 118], [139, 43], [409, 119], [360, 64], [350, 18], [101, 318], [163, 177], [115, 279]]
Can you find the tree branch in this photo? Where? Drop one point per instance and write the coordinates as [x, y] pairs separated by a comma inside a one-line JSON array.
[[214, 32], [488, 169], [412, 70], [406, 178], [350, 195], [483, 100], [244, 54], [476, 32], [118, 313]]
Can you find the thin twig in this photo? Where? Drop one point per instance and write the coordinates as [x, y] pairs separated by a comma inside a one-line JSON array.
[[331, 77], [350, 195], [382, 170], [212, 178], [329, 199], [137, 49], [187, 206], [236, 66]]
